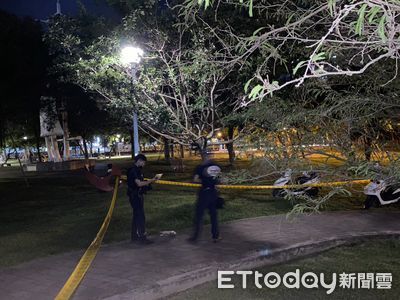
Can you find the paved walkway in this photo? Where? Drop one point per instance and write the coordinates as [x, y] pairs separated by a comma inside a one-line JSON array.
[[127, 271]]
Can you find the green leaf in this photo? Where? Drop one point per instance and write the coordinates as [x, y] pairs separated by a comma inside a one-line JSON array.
[[360, 21], [258, 30], [246, 86], [372, 13], [255, 91], [381, 29], [206, 3], [274, 85], [331, 6], [318, 56], [289, 19], [251, 8], [351, 24], [298, 66]]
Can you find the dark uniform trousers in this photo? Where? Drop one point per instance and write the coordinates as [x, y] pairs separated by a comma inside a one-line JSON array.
[[207, 199], [138, 219]]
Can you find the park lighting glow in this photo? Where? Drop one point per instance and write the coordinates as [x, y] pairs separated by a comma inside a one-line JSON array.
[[118, 135], [219, 134], [131, 55], [25, 138]]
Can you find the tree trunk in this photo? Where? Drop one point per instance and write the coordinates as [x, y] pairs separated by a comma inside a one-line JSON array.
[[5, 155], [203, 153], [172, 150], [284, 150], [167, 155], [37, 138], [203, 149], [229, 146], [91, 149], [66, 145], [22, 169], [19, 162], [368, 148], [300, 140], [182, 151], [85, 148]]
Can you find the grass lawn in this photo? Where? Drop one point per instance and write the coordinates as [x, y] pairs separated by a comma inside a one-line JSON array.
[[60, 213], [379, 256]]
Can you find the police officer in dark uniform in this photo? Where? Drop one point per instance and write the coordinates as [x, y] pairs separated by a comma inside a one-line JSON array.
[[137, 187], [207, 173]]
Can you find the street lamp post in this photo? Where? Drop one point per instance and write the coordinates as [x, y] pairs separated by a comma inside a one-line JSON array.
[[131, 56]]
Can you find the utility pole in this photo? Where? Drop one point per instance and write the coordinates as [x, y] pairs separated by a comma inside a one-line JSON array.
[[130, 57]]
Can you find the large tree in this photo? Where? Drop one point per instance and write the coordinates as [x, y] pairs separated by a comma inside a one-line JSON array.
[[179, 90], [336, 38]]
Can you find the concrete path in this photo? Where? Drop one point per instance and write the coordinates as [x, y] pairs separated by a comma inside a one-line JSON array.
[[128, 271]]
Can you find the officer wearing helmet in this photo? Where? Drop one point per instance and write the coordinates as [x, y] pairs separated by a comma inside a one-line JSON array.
[[207, 173]]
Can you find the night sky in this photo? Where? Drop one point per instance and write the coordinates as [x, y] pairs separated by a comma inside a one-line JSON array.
[[42, 9]]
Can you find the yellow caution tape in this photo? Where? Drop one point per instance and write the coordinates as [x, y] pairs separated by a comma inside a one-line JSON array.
[[82, 267], [80, 270], [265, 187], [268, 187]]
